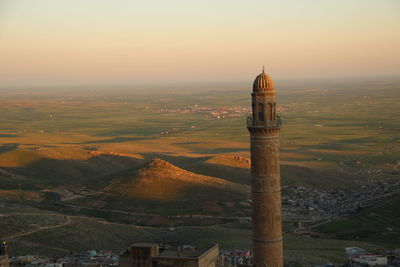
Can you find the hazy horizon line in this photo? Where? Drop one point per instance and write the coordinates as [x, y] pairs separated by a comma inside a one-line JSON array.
[[194, 83]]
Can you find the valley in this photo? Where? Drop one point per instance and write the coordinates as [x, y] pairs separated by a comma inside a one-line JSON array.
[[103, 169]]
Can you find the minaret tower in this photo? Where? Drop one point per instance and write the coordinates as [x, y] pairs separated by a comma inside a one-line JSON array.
[[264, 126]]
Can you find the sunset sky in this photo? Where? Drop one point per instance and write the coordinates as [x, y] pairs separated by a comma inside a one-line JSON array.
[[62, 42]]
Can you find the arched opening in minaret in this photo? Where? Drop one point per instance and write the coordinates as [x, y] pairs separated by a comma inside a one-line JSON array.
[[269, 111], [261, 116]]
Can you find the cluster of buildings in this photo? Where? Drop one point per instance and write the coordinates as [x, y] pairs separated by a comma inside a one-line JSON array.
[[214, 112], [237, 257], [300, 201], [358, 257], [306, 202], [154, 255], [89, 258]]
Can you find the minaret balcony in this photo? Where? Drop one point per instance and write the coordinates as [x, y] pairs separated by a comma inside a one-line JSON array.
[[252, 123]]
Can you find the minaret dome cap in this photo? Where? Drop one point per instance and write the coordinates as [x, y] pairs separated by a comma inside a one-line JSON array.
[[263, 83]]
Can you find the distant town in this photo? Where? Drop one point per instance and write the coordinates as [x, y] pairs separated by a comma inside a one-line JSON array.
[[215, 112], [310, 203]]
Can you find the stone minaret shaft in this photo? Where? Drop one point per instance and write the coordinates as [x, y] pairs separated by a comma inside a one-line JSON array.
[[264, 126]]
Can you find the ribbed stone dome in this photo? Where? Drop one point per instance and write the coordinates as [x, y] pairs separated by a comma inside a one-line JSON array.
[[263, 83]]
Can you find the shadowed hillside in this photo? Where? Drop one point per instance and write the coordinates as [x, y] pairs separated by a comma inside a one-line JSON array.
[[160, 180], [236, 168], [41, 168]]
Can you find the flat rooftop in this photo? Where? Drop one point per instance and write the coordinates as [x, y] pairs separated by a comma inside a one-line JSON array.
[[184, 253]]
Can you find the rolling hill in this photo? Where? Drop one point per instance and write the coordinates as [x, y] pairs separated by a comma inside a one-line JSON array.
[[41, 168], [160, 180]]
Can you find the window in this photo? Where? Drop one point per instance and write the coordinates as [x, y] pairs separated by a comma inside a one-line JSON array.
[[261, 116], [270, 112]]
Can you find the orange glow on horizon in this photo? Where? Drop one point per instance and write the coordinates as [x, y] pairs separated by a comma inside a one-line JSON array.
[[217, 43]]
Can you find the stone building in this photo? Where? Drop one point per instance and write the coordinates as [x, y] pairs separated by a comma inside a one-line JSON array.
[[139, 255], [151, 255], [264, 126], [3, 254]]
